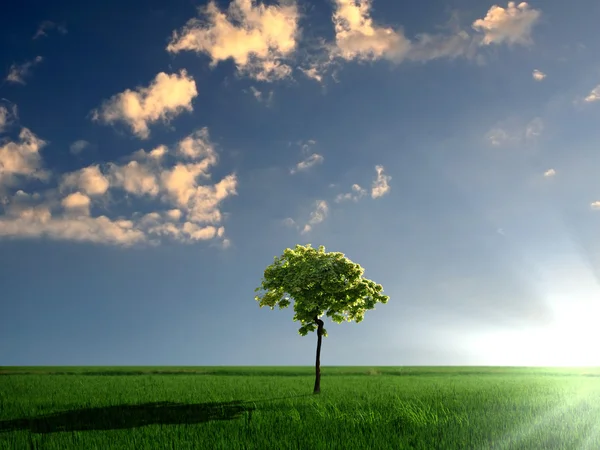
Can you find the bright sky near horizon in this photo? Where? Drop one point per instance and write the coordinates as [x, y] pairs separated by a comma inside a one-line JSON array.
[[155, 157]]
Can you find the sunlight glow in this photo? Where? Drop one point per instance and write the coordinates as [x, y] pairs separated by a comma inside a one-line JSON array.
[[571, 340]]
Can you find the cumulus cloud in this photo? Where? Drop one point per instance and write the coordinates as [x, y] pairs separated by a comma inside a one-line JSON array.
[[89, 180], [355, 194], [46, 26], [549, 173], [317, 216], [166, 97], [307, 163], [538, 75], [258, 38], [18, 72], [594, 95], [175, 182], [511, 25], [595, 205], [135, 178], [358, 37], [21, 158], [381, 184], [78, 203], [39, 222], [78, 146]]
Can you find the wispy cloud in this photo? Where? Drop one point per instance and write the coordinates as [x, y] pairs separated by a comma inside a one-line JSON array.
[[19, 72], [594, 95], [317, 216], [381, 184], [307, 163], [78, 146], [166, 97], [595, 205], [538, 75], [46, 26], [257, 37], [549, 173], [261, 97], [355, 194], [505, 134], [8, 115]]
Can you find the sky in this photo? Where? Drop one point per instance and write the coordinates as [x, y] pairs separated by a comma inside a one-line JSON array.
[[155, 157]]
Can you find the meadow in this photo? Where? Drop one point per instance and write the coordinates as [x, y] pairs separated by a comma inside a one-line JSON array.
[[273, 408]]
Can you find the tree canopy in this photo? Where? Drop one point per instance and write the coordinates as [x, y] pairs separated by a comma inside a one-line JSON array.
[[320, 283]]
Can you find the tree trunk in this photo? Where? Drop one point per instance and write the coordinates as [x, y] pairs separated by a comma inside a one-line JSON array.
[[318, 362]]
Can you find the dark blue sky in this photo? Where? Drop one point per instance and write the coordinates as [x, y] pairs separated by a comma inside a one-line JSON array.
[[450, 149]]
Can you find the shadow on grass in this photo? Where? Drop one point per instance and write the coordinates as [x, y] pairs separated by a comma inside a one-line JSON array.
[[133, 416]]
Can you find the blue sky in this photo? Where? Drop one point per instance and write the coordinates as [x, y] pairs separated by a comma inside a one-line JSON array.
[[154, 159]]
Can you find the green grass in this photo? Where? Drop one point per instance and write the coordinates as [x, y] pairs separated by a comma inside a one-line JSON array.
[[273, 408]]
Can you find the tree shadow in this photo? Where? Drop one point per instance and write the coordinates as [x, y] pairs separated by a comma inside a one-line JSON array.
[[133, 416]]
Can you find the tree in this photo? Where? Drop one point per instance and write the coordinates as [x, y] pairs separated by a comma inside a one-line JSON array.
[[320, 283]]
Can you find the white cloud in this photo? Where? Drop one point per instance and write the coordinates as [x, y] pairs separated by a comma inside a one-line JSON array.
[[39, 222], [174, 214], [198, 146], [78, 146], [18, 72], [307, 163], [549, 173], [356, 194], [594, 95], [357, 37], [538, 75], [21, 158], [313, 72], [595, 205], [153, 156], [134, 178], [48, 25], [185, 210], [89, 180], [317, 216], [381, 184], [166, 97], [257, 37], [512, 24], [78, 203]]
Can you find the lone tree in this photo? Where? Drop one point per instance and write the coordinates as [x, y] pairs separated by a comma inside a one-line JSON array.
[[319, 283]]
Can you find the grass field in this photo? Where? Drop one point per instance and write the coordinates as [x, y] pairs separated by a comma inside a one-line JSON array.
[[273, 408]]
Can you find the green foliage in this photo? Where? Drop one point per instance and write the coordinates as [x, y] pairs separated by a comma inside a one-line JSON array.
[[320, 283]]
